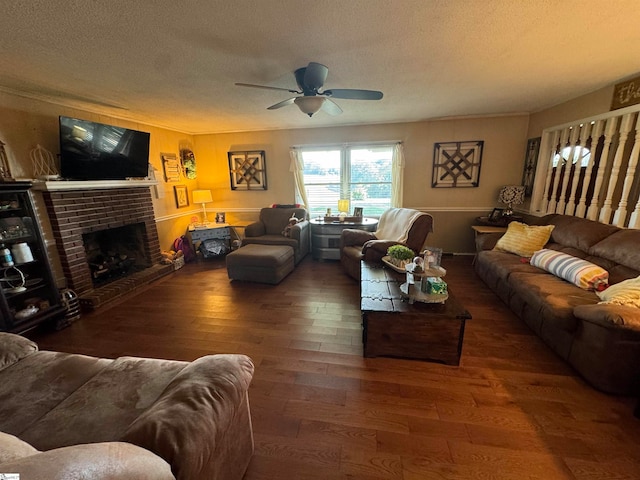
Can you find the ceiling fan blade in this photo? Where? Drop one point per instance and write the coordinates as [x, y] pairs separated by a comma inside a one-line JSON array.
[[267, 88], [353, 94], [315, 75], [284, 103], [331, 107]]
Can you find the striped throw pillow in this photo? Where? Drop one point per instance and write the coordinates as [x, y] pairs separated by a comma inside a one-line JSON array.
[[581, 273], [524, 239]]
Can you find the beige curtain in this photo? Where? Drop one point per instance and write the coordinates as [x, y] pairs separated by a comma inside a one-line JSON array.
[[297, 168], [397, 175]]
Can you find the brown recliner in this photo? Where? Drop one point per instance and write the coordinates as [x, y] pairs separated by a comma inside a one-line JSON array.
[[268, 230], [403, 226]]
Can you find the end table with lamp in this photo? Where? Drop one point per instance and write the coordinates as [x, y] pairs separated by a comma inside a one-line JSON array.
[[217, 235]]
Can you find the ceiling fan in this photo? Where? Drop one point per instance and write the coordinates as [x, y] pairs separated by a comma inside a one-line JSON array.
[[310, 80]]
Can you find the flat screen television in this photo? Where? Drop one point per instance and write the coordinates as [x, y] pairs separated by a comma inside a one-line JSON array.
[[94, 151]]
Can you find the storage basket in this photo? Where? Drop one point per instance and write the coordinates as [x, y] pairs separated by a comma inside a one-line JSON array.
[[178, 263]]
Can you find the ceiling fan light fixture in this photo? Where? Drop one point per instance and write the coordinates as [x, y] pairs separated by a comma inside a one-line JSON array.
[[309, 105]]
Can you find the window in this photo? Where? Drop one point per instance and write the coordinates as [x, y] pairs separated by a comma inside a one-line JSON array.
[[581, 154], [361, 174]]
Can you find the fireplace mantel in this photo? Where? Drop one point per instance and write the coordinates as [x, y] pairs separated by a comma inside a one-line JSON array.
[[62, 185]]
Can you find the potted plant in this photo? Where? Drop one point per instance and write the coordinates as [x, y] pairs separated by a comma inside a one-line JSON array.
[[399, 255]]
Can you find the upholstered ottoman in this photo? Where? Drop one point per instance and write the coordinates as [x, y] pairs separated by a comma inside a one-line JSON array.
[[260, 263]]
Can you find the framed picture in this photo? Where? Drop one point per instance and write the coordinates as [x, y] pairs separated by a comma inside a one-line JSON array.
[[221, 217], [171, 167], [357, 212], [457, 164], [182, 197], [247, 170], [530, 163], [496, 214]]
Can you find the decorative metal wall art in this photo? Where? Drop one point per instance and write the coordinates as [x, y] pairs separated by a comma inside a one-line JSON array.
[[247, 170], [457, 164], [530, 163]]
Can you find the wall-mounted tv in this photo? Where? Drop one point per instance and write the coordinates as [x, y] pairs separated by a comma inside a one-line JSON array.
[[93, 151]]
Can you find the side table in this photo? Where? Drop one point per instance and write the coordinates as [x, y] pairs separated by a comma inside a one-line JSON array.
[[479, 230], [220, 232], [500, 222], [325, 236]]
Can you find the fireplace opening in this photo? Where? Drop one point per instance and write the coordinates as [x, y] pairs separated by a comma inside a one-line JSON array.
[[115, 253]]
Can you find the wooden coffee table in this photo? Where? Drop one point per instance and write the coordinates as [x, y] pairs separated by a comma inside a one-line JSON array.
[[393, 327]]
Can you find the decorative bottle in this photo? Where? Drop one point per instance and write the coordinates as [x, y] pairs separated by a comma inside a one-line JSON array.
[[5, 256]]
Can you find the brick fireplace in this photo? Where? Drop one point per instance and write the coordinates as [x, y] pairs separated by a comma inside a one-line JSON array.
[[81, 211]]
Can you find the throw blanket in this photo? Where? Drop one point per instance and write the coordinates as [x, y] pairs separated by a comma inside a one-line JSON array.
[[395, 223]]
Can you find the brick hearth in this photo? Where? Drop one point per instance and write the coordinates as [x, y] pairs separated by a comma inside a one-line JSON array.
[[76, 212]]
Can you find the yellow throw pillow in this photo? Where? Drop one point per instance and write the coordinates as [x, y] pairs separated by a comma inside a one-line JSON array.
[[524, 239]]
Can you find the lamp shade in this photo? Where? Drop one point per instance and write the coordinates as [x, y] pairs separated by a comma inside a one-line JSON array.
[[202, 196], [310, 104], [511, 195], [343, 205]]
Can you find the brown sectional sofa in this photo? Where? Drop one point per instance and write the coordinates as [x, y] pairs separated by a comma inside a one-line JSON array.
[[601, 341], [68, 416]]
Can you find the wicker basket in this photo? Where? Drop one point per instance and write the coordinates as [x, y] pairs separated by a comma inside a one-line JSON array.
[[178, 263]]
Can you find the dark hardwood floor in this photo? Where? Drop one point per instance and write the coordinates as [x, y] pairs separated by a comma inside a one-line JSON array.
[[511, 410]]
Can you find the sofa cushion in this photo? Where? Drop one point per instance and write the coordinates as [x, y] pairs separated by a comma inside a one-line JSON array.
[[524, 239], [576, 232], [271, 240], [554, 298], [623, 293], [276, 219], [14, 348], [581, 273], [95, 461], [621, 247], [103, 407], [38, 383], [12, 448]]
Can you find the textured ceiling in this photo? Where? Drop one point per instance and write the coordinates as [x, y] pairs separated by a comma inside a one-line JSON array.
[[174, 63]]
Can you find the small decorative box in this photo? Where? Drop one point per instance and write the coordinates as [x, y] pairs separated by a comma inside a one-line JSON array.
[[436, 285]]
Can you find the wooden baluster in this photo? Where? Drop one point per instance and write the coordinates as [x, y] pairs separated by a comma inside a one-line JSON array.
[[574, 142], [594, 206], [548, 149], [585, 131], [620, 215], [595, 136], [634, 220], [623, 133], [554, 192]]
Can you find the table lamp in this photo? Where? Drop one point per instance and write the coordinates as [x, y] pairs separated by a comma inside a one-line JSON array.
[[511, 195], [343, 206], [203, 196]]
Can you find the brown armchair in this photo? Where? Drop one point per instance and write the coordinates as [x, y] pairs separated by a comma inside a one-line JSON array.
[[403, 226], [268, 230]]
